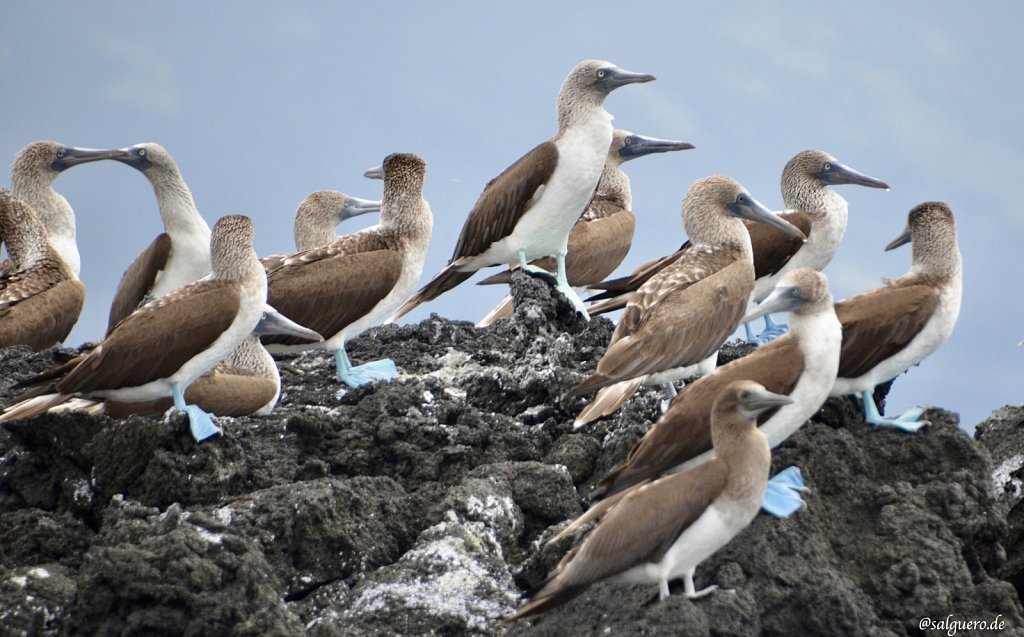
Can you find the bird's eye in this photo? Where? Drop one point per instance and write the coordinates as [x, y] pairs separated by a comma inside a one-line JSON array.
[[827, 166], [141, 152], [60, 153], [601, 73], [744, 395], [741, 199], [627, 141]]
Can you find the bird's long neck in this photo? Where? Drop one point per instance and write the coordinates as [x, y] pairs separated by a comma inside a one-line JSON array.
[[177, 208], [614, 184]]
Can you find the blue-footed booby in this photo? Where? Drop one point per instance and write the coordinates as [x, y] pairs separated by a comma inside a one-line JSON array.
[[246, 383], [801, 364], [602, 236], [664, 529], [679, 318], [317, 218], [888, 330], [819, 212], [165, 345], [527, 211], [40, 297], [343, 288], [32, 174], [814, 208], [181, 253]]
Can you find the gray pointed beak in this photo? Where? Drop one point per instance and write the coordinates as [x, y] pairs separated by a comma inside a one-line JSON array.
[[273, 322], [377, 172], [903, 239], [133, 157], [761, 400], [782, 299], [614, 77], [639, 145], [355, 206], [746, 207], [835, 173], [69, 156]]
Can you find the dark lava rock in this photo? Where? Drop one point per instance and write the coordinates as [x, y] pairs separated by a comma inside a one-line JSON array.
[[424, 506]]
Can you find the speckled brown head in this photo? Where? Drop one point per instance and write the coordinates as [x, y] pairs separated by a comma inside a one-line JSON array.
[[931, 231], [21, 231], [321, 212], [805, 176], [44, 160], [231, 248], [588, 84], [713, 206]]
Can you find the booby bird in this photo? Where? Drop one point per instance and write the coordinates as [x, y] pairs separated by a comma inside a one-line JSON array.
[[40, 297], [342, 288], [316, 219], [801, 364], [601, 237], [819, 212], [246, 383], [888, 330], [181, 253], [814, 208], [666, 528], [527, 211], [35, 168], [165, 345], [682, 315]]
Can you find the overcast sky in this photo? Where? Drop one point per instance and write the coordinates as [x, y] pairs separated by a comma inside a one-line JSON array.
[[262, 103]]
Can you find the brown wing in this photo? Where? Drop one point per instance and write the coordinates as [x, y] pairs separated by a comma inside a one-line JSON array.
[[881, 322], [157, 339], [645, 524], [684, 431], [773, 249], [39, 306], [138, 279], [504, 200], [328, 288]]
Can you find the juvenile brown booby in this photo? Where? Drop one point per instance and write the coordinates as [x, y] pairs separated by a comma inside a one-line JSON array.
[[888, 330], [165, 345], [181, 253], [602, 236], [820, 212], [32, 174], [527, 211], [683, 314], [801, 364], [40, 297], [246, 383], [342, 288], [664, 529]]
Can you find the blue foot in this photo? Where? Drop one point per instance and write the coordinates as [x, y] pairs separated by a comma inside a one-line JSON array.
[[908, 421], [749, 333], [202, 425], [577, 303], [782, 497], [384, 369], [772, 331]]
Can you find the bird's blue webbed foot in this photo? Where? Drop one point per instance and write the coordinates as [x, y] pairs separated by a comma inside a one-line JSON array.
[[772, 331], [383, 369], [909, 421], [782, 496], [200, 422]]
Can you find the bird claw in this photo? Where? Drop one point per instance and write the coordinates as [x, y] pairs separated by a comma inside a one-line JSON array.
[[908, 421], [782, 495]]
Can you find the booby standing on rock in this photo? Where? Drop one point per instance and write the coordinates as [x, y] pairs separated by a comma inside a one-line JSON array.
[[601, 238], [801, 364], [665, 529], [32, 175], [342, 288], [165, 345], [181, 253], [40, 297], [888, 330], [246, 383], [682, 315], [527, 211], [820, 212]]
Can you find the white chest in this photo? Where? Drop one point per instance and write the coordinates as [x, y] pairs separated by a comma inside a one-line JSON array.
[[189, 261]]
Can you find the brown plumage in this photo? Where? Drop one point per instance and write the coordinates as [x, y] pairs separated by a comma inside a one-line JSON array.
[[138, 279], [40, 298]]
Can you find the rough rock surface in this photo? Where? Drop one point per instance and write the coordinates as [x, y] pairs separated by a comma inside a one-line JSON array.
[[423, 506]]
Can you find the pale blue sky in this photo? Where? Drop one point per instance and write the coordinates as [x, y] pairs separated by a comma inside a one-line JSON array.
[[263, 102]]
